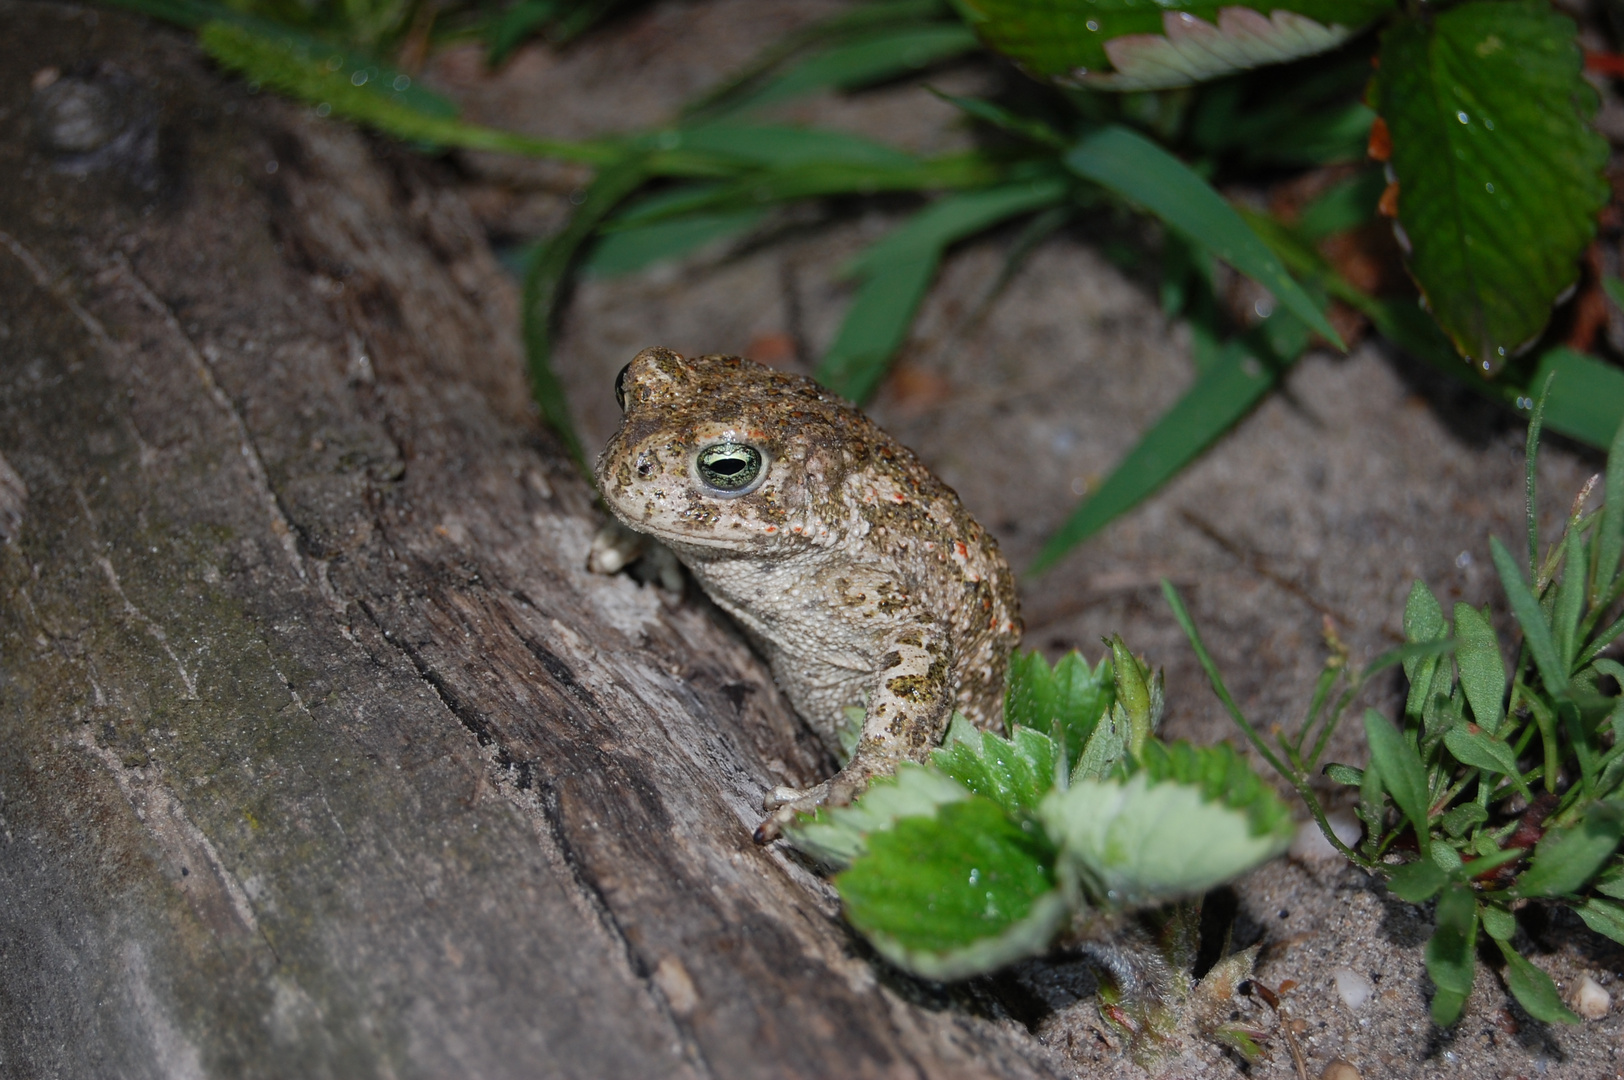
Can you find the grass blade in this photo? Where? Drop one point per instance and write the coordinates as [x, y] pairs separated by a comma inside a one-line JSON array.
[[1536, 631], [874, 57], [1219, 397], [625, 251], [897, 271], [544, 283], [1610, 537], [1587, 401], [1139, 170]]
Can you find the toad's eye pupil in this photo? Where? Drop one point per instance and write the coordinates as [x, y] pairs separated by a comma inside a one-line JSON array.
[[729, 466], [620, 387]]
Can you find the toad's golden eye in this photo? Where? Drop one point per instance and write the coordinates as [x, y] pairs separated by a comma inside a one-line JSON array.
[[620, 387], [729, 468]]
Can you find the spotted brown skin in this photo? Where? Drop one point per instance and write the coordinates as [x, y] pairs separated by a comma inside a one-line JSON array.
[[856, 572]]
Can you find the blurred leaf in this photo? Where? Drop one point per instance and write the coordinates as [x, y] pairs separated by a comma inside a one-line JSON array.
[[1137, 169], [1401, 771], [626, 251], [1417, 882], [1450, 961], [897, 270], [515, 25], [1006, 119], [1015, 773], [1536, 631], [1076, 42], [1604, 917], [370, 94], [1610, 535], [1586, 399], [1219, 397], [1423, 622], [1037, 696], [1564, 859], [985, 881], [1534, 989], [873, 57], [1482, 668], [839, 834], [1344, 206], [1499, 170], [780, 146], [1136, 841], [1570, 598], [544, 290], [1223, 776]]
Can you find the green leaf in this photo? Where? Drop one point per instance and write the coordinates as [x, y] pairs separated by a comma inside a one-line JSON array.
[[1417, 882], [1604, 917], [1135, 168], [1536, 631], [1106, 748], [1499, 170], [837, 835], [1423, 622], [1401, 771], [1015, 773], [626, 251], [1482, 751], [368, 93], [1223, 777], [956, 894], [1570, 599], [881, 54], [1343, 206], [1564, 859], [897, 271], [1482, 669], [1457, 821], [1218, 398], [1136, 842], [1533, 989], [1450, 959], [544, 290], [780, 146], [1498, 923], [1133, 693], [1161, 45], [1005, 119], [1610, 536], [1037, 696], [1345, 774], [1586, 400]]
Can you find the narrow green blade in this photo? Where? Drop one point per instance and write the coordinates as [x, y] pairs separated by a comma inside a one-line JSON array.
[[1137, 169], [1220, 396]]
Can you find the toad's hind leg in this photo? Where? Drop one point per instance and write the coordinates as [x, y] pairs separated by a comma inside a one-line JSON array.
[[909, 705]]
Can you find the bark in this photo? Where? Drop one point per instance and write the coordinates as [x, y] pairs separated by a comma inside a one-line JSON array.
[[322, 753]]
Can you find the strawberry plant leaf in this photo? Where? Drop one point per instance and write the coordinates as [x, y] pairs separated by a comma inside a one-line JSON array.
[[1070, 693], [1499, 171], [986, 882], [1142, 841], [839, 834], [1123, 45], [1015, 773]]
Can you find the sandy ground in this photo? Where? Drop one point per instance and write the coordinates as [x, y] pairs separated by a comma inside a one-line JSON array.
[[1361, 475]]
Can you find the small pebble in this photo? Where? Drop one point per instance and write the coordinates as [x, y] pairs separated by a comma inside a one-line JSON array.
[[1590, 1000], [1340, 1070], [1310, 845], [1352, 987]]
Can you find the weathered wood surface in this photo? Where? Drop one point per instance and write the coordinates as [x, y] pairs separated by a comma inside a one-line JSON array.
[[321, 755]]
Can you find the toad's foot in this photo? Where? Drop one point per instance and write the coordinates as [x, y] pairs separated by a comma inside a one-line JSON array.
[[783, 803]]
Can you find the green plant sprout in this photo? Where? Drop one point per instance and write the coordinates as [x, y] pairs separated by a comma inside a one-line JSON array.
[[1491, 166], [1497, 788], [1080, 829]]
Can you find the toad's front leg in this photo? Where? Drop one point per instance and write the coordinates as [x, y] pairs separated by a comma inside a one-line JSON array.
[[908, 707]]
